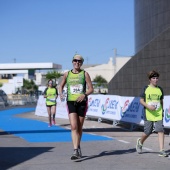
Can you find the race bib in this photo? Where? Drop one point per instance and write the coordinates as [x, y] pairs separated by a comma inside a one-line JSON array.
[[156, 104], [76, 89], [52, 100]]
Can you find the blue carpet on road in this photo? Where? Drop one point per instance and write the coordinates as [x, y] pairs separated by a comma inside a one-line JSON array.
[[37, 131]]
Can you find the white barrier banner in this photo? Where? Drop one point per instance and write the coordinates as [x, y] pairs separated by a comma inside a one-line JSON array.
[[41, 109], [61, 109], [94, 105], [167, 111], [131, 110], [110, 107], [103, 106]]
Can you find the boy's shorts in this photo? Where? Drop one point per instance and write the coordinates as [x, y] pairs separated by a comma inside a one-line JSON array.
[[148, 126]]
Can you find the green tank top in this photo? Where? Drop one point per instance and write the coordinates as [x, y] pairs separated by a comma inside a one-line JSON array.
[[76, 85], [153, 96], [51, 100]]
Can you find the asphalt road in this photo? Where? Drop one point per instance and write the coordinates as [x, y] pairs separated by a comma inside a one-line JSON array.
[[119, 153]]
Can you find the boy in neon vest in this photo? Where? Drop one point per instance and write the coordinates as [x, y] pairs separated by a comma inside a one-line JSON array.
[[152, 100]]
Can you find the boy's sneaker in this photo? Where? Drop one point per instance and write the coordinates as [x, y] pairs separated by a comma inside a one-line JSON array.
[[139, 146], [53, 121], [75, 155], [79, 151], [163, 153]]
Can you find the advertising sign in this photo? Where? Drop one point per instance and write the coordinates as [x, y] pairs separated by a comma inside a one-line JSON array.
[[111, 107], [131, 110]]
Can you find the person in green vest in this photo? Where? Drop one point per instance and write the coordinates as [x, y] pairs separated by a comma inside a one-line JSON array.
[[152, 99], [77, 101], [51, 95]]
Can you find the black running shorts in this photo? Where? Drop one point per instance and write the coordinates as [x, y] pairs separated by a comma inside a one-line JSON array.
[[77, 107]]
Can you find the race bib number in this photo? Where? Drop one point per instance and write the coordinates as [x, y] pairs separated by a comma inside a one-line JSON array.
[[52, 100], [76, 89], [156, 104]]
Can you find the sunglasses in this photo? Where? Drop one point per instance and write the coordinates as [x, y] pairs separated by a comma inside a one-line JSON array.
[[79, 61], [50, 83]]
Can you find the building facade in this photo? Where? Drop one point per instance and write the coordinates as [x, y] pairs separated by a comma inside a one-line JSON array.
[[11, 81], [107, 70], [152, 45]]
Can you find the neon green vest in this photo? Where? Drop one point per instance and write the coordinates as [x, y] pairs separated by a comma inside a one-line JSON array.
[[152, 97], [76, 85], [51, 100]]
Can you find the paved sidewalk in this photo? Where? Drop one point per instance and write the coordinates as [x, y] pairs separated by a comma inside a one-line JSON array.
[[119, 153]]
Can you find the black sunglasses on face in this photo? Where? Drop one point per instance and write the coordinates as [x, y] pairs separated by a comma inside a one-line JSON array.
[[79, 61]]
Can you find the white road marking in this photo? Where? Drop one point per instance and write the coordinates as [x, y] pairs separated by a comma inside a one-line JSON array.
[[123, 141], [148, 149]]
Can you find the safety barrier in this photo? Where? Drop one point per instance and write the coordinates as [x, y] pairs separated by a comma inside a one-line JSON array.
[[109, 107], [15, 100]]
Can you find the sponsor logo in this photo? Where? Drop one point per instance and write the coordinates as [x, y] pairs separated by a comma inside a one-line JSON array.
[[93, 103], [129, 109], [124, 108], [109, 105], [167, 115]]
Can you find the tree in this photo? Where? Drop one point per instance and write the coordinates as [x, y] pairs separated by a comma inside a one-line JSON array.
[[100, 81], [1, 84], [29, 86], [53, 75]]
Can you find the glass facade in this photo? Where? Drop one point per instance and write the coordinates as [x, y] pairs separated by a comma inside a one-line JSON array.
[[152, 46], [152, 17]]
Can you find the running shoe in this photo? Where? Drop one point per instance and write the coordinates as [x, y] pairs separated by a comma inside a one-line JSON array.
[[139, 146], [75, 155], [53, 121], [163, 153]]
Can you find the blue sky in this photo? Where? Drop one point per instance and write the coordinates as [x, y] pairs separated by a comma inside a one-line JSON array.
[[54, 30]]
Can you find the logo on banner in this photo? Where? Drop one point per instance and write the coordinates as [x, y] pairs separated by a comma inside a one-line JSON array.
[[129, 108], [124, 108], [93, 105], [104, 106], [167, 114], [109, 104]]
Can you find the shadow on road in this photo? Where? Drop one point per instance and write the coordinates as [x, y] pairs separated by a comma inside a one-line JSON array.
[[107, 153], [12, 156]]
